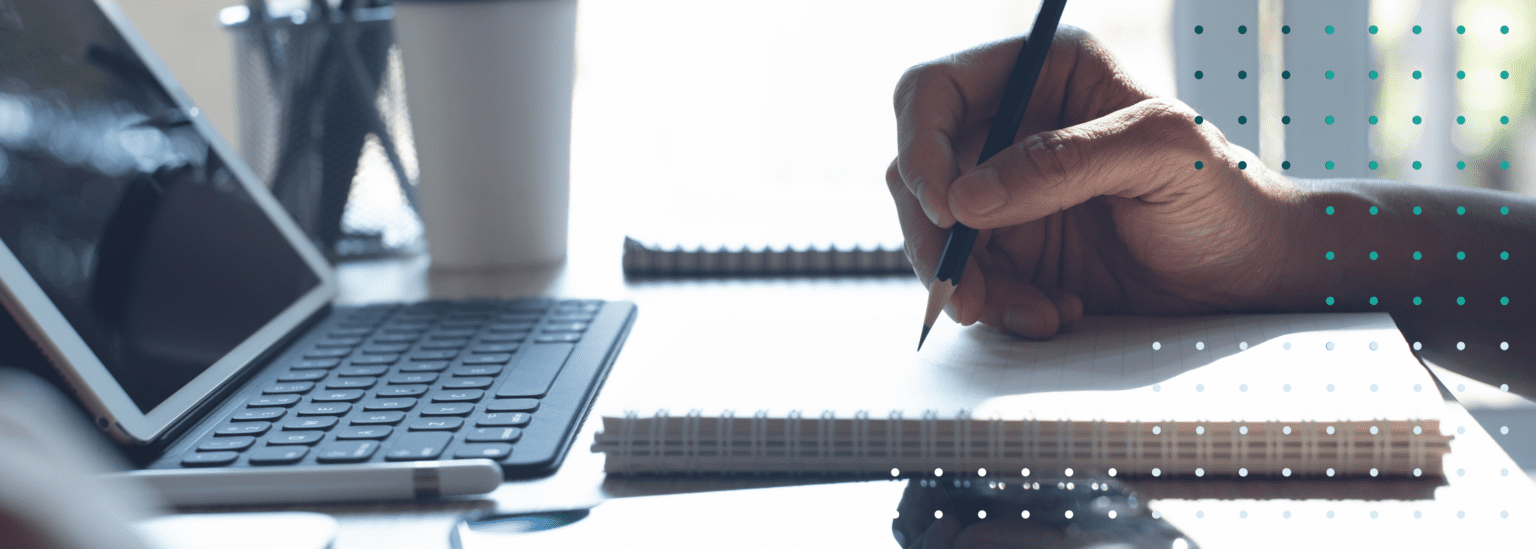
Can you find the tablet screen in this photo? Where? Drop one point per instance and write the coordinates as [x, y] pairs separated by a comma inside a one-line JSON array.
[[117, 206]]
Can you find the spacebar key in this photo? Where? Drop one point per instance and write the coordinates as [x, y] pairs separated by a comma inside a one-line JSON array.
[[535, 371]]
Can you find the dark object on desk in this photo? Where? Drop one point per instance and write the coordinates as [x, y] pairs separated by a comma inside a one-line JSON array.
[[641, 259], [1010, 113], [322, 109], [1056, 512]]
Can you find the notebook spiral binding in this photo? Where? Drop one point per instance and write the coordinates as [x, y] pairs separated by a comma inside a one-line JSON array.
[[935, 445], [641, 260]]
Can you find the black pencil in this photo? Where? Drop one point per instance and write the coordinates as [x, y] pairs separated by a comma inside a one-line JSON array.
[[1010, 113]]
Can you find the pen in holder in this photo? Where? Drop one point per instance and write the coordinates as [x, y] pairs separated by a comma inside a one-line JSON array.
[[323, 121]]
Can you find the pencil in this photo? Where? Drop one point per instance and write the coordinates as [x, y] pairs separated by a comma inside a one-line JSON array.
[[1010, 113]]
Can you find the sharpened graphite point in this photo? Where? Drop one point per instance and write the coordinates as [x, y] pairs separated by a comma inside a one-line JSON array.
[[923, 338]]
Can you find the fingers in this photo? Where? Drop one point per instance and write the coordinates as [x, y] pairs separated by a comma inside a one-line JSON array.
[[934, 102], [924, 240], [1131, 153]]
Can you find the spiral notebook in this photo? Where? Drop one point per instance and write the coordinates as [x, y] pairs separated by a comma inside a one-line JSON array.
[[841, 232], [1316, 395]]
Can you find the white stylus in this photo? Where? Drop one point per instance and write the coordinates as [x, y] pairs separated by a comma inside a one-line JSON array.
[[307, 484]]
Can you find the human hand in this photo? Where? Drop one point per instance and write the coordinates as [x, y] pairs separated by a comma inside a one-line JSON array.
[[1098, 206]]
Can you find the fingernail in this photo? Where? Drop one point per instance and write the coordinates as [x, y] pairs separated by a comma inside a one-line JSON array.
[[921, 184], [980, 191]]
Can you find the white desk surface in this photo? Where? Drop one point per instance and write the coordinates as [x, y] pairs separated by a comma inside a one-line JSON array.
[[689, 340]]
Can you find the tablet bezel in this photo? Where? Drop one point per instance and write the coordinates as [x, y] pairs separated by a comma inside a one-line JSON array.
[[100, 393]]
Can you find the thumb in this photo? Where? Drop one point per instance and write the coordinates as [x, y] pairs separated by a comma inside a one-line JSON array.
[[1134, 152]]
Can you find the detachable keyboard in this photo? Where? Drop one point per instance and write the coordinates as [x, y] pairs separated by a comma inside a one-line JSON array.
[[506, 380]]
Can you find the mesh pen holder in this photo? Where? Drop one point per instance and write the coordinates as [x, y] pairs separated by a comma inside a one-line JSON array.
[[323, 121]]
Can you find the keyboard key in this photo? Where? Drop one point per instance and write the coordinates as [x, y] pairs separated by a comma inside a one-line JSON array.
[[209, 459], [411, 379], [389, 404], [535, 371], [493, 348], [317, 364], [464, 322], [434, 355], [303, 375], [397, 338], [468, 383], [455, 409], [572, 317], [513, 405], [385, 348], [442, 344], [375, 359], [343, 452], [226, 443], [494, 434], [364, 432], [350, 383], [473, 371], [555, 327], [437, 424], [433, 366], [401, 391], [278, 455], [498, 358], [503, 338], [301, 437], [309, 423], [289, 388], [272, 400], [339, 342], [506, 327], [350, 332], [327, 353], [259, 414], [504, 419], [462, 395], [564, 337], [338, 395], [362, 371], [242, 429], [405, 327], [451, 334], [388, 417], [489, 451], [325, 409], [419, 445]]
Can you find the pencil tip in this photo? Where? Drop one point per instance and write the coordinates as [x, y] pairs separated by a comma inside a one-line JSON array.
[[923, 338]]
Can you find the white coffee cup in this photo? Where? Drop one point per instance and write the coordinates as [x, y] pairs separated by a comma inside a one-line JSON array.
[[489, 83]]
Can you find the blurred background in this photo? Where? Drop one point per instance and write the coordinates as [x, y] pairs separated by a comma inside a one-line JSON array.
[[771, 123]]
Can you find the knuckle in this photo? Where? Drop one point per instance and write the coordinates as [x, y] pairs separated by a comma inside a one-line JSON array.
[[1170, 118], [913, 80], [1054, 155]]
